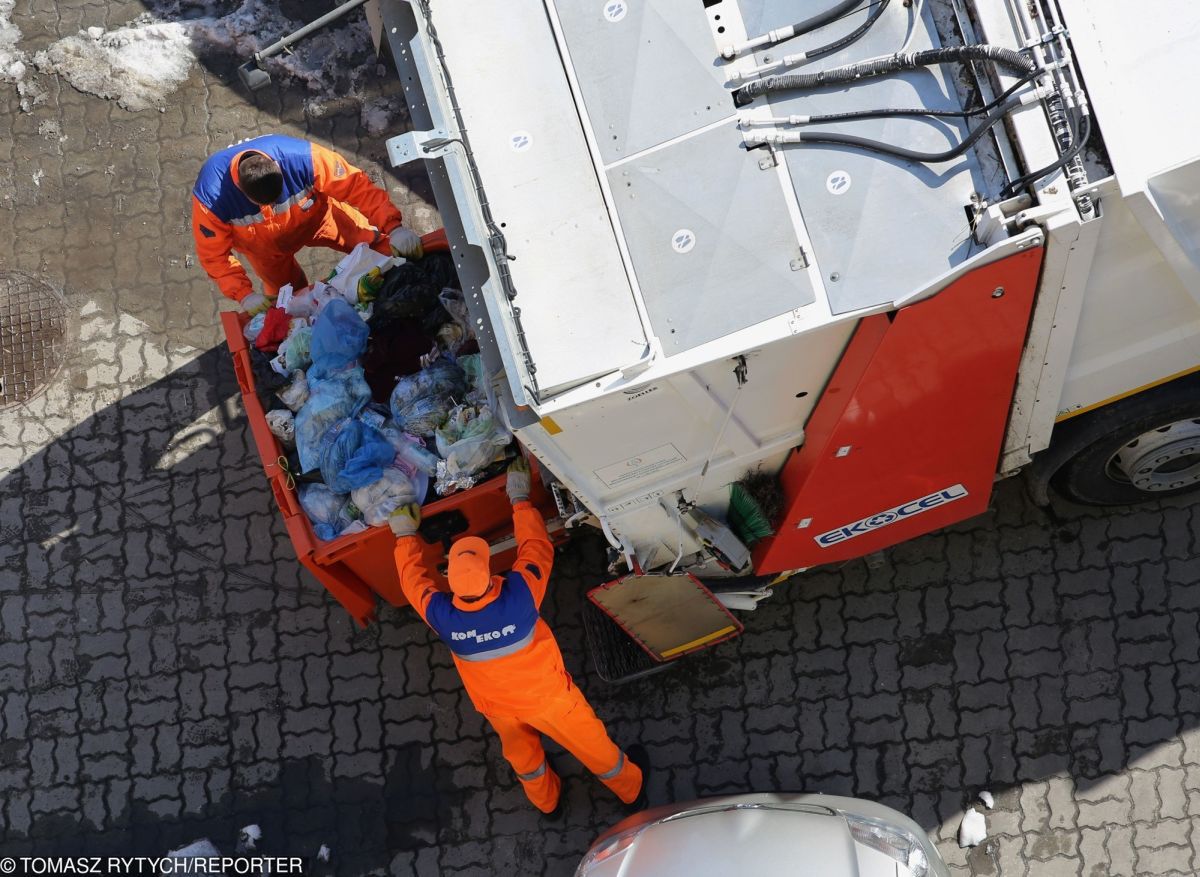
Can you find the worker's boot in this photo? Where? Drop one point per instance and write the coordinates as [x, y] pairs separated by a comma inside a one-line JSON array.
[[638, 755]]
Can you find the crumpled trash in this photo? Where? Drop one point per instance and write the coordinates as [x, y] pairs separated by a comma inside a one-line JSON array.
[[253, 326], [421, 402], [339, 337], [336, 397], [383, 496], [309, 302], [294, 393], [296, 350], [471, 440], [332, 514], [411, 453], [451, 337], [282, 424], [354, 455], [452, 300], [477, 388]]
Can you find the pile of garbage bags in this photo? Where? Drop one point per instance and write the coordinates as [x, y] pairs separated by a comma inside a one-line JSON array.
[[376, 390]]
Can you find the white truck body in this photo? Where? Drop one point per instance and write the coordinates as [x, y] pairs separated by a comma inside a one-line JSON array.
[[662, 306]]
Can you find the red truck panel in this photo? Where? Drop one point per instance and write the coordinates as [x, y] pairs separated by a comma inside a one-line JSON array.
[[907, 436]]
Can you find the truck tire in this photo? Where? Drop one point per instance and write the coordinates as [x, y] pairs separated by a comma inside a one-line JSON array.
[[1143, 448]]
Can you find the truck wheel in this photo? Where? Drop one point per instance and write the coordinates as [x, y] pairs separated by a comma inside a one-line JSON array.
[[1140, 449]]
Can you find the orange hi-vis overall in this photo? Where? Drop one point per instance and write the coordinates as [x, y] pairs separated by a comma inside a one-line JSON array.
[[512, 668], [326, 202]]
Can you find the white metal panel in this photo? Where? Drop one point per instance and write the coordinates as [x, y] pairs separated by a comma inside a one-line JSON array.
[[623, 452], [577, 307], [1139, 62], [1139, 324], [1070, 254]]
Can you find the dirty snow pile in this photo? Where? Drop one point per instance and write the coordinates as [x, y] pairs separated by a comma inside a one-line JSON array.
[[141, 63], [137, 65], [12, 59], [14, 63]]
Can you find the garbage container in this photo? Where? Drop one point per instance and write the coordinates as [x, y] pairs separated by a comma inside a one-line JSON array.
[[358, 568]]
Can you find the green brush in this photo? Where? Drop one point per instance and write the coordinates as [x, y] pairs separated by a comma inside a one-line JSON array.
[[747, 517]]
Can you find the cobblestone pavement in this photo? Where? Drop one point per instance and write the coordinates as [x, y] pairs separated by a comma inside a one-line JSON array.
[[168, 672]]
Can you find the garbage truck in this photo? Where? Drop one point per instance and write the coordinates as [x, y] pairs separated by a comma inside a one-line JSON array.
[[765, 286]]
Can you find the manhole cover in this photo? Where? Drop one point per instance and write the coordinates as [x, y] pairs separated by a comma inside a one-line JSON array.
[[33, 336]]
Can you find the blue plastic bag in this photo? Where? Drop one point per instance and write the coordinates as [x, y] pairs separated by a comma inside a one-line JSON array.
[[353, 455], [330, 513], [340, 395], [339, 337]]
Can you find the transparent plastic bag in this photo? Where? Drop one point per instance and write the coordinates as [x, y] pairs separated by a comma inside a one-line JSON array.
[[441, 378], [332, 514], [354, 455], [423, 416], [282, 424], [383, 496], [297, 349], [470, 441], [294, 393], [254, 327], [340, 395], [421, 402]]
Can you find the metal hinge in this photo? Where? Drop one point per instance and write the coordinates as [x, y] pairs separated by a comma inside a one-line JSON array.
[[415, 145]]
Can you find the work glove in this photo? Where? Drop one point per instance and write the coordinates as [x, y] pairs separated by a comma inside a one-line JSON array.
[[405, 520], [406, 243], [256, 303], [518, 480]]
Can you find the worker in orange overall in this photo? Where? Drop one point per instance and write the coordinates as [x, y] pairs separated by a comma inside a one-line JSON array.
[[270, 197], [510, 662]]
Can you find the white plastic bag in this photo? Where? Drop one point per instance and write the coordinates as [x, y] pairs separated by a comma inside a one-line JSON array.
[[295, 393], [353, 266], [282, 424], [308, 302], [378, 500], [254, 327]]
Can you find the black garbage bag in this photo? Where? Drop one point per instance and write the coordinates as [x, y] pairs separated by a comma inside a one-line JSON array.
[[410, 292], [266, 380]]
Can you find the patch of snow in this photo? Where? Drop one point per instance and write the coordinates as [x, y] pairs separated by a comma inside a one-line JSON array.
[[324, 853], [250, 835], [37, 177], [201, 849], [987, 799], [12, 59], [137, 65], [378, 116], [973, 829]]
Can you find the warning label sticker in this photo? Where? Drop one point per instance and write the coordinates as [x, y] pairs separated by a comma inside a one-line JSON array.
[[639, 467]]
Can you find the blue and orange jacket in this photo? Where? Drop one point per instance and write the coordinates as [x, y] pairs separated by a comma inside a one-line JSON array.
[[224, 219], [508, 658]]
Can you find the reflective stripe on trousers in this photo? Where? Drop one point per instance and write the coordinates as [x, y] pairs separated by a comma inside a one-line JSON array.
[[528, 777]]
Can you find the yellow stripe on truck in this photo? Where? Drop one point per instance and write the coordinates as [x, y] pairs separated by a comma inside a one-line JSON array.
[[1127, 394]]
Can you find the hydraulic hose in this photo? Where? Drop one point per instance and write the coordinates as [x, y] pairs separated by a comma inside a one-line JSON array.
[[852, 37], [1009, 59], [896, 151], [779, 34], [1081, 132], [919, 111]]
